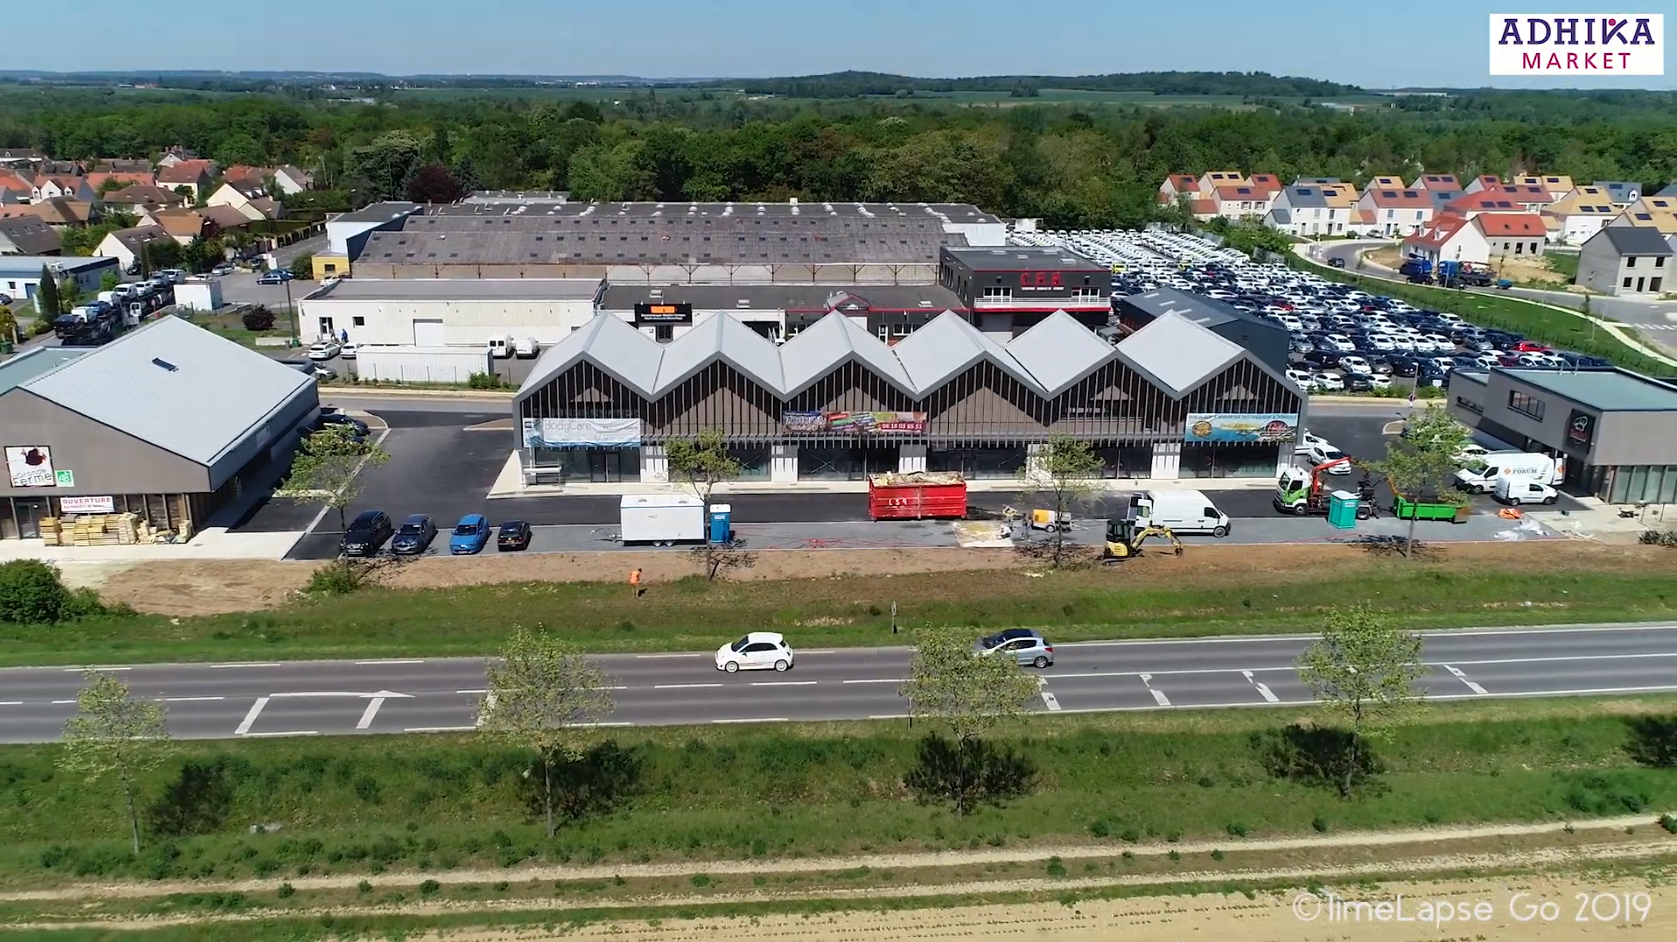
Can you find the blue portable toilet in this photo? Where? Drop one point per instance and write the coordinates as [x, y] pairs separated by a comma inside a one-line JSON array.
[[721, 523]]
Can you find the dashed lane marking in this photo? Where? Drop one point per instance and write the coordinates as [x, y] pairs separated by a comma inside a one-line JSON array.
[[289, 732], [249, 664], [684, 686], [82, 670], [876, 680], [250, 718], [389, 661], [783, 683], [439, 729], [191, 699], [1463, 678]]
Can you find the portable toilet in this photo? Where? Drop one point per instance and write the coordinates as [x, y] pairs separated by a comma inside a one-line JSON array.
[[1342, 510], [721, 523]]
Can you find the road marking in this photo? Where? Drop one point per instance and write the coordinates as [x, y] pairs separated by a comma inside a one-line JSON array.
[[191, 699], [11, 703], [1560, 657], [439, 729], [757, 719], [654, 657], [782, 683], [683, 686], [1433, 633], [889, 716], [291, 732], [359, 465], [880, 680], [1268, 695], [83, 670], [1158, 695], [61, 702], [595, 725], [250, 664], [488, 705], [1050, 701], [1463, 678], [471, 691], [391, 661], [371, 711], [250, 718]]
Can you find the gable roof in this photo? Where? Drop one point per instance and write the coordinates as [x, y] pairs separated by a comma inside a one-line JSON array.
[[138, 237], [127, 177], [1239, 193], [1510, 224], [30, 235], [1181, 182], [180, 222], [141, 194], [1388, 198], [1436, 181], [63, 211], [185, 173], [724, 339], [228, 391], [225, 217], [1483, 202], [830, 342], [948, 346], [1443, 229], [1304, 197], [1634, 240], [1179, 353], [1529, 193], [1055, 352], [1269, 183]]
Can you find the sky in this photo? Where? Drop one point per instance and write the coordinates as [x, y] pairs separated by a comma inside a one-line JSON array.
[[1376, 46]]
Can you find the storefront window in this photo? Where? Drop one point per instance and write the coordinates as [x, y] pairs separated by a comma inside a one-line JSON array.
[[1655, 484], [599, 465], [1228, 461], [754, 462], [1126, 462], [845, 464], [978, 463]]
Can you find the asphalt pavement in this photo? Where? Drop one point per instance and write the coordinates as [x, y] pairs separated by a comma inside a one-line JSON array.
[[312, 698]]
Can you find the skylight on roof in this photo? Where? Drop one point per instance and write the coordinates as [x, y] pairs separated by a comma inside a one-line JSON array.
[[161, 363]]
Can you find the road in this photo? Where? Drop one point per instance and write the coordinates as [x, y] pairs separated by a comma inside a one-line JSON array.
[[309, 698]]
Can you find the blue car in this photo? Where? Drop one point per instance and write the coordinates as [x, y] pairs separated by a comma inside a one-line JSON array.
[[470, 535]]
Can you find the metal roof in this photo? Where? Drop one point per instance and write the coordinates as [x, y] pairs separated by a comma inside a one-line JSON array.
[[1179, 353], [175, 386], [1602, 390], [557, 205], [1056, 352], [726, 339], [932, 299], [36, 361], [828, 343], [948, 346], [1015, 257], [1305, 197], [379, 212], [1635, 240], [459, 289], [29, 266]]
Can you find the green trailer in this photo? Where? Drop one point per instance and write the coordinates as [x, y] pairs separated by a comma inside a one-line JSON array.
[[1430, 510]]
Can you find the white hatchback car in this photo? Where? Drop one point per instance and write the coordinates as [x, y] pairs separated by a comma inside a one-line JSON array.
[[757, 651]]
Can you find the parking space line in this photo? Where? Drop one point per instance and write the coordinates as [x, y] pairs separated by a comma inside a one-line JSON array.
[[1463, 678], [359, 466], [250, 718]]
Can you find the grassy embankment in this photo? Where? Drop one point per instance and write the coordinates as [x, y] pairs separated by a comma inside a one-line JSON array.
[[1147, 598], [368, 805], [1501, 311]]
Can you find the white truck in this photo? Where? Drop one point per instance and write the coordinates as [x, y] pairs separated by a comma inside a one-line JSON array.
[[662, 519], [1181, 511], [1480, 477]]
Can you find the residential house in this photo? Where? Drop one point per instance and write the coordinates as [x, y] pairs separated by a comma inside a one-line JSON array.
[[1240, 201], [1512, 233], [1472, 204], [1670, 190], [1176, 186], [61, 168], [105, 180], [251, 199], [1578, 215], [1482, 183], [21, 158], [142, 201], [175, 155], [119, 165], [64, 213], [195, 175], [184, 225], [1450, 238], [1266, 183], [1304, 211], [1203, 208], [289, 179], [1653, 212], [1383, 183], [1628, 261], [16, 186], [127, 244], [1530, 197], [1441, 199], [1435, 182], [1212, 179], [1620, 192], [54, 186], [1556, 185], [29, 235], [1342, 205], [1397, 212], [223, 218], [1318, 181], [244, 174]]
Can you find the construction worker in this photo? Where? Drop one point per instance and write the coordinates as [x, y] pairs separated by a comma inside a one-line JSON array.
[[635, 583]]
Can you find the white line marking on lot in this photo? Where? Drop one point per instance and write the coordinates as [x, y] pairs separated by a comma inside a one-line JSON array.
[[389, 661], [757, 719], [324, 508], [61, 702], [488, 705], [655, 657], [783, 683], [191, 699], [1463, 678], [439, 729], [1268, 694], [877, 680], [250, 718], [249, 664], [471, 691], [683, 686], [371, 711], [82, 670], [290, 732]]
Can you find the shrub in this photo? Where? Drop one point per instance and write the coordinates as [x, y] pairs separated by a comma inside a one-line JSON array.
[[1669, 822], [258, 319], [286, 891], [429, 888], [1236, 828], [484, 381], [365, 886], [341, 577], [32, 593], [1056, 867]]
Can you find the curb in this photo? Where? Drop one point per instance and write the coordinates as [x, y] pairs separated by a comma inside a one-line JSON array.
[[384, 392]]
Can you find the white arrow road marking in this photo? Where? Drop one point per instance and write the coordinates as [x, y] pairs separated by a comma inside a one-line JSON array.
[[1263, 689], [1158, 695], [1048, 699], [1463, 678], [250, 718], [371, 711]]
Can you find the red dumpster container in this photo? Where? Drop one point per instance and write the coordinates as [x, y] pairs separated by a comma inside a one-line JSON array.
[[917, 496]]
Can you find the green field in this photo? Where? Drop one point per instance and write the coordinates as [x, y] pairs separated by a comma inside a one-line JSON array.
[[692, 615], [446, 802]]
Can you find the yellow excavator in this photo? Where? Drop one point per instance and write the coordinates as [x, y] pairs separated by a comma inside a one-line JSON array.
[[1124, 538]]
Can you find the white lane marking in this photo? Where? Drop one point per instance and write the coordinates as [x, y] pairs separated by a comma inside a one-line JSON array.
[[684, 686], [250, 718], [655, 657], [371, 711], [879, 680], [471, 691], [597, 725], [1463, 678], [889, 716], [1050, 701], [289, 732], [83, 670], [1559, 657], [391, 661], [488, 705], [1157, 673], [1430, 633], [757, 719], [783, 683], [216, 667], [1289, 668], [1158, 695], [1523, 694], [1268, 694], [61, 702], [191, 699], [11, 703], [439, 729]]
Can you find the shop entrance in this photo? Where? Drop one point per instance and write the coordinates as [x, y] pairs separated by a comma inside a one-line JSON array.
[[845, 464], [29, 511], [605, 467], [1229, 461]]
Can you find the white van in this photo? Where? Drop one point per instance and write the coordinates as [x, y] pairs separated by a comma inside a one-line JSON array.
[[1514, 492], [1181, 511], [526, 347], [501, 346], [1481, 478]]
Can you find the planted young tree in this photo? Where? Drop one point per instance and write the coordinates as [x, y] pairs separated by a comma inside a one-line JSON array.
[[330, 467], [543, 694], [969, 694], [1363, 668], [69, 294], [1423, 460], [114, 734], [699, 465], [46, 295], [1063, 474]]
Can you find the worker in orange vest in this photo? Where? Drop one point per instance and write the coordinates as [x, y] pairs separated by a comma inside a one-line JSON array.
[[635, 583]]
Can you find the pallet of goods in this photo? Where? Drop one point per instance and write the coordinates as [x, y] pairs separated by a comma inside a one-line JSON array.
[[95, 530]]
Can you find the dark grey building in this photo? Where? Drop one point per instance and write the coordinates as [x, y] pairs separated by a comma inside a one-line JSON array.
[[1617, 429], [1266, 339], [168, 422], [1628, 261], [1011, 289]]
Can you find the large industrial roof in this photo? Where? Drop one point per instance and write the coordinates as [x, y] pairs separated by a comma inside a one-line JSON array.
[[459, 289], [1603, 390], [1173, 352], [175, 386], [855, 298], [1017, 257], [505, 204]]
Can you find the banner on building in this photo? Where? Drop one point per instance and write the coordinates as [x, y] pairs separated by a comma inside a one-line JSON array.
[[848, 423], [87, 505], [30, 466], [1241, 427], [582, 433]]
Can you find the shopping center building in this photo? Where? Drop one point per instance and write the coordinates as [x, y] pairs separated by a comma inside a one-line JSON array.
[[835, 402]]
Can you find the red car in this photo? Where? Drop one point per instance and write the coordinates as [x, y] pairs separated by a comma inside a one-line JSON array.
[[1530, 346]]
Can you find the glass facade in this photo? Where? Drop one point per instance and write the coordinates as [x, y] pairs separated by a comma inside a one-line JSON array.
[[1228, 461], [1126, 462], [598, 465], [754, 462], [978, 463], [1639, 484], [845, 464]]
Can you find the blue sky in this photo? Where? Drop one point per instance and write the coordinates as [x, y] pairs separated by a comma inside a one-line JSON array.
[[1374, 45]]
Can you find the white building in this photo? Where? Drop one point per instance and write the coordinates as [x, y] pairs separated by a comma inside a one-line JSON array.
[[20, 275], [434, 313]]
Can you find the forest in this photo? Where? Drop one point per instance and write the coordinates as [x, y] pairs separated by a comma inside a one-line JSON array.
[[1073, 165]]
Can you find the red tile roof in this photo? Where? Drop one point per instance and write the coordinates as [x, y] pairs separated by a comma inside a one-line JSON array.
[[1205, 207], [1443, 229], [183, 173], [14, 182], [1239, 193], [1268, 182], [1483, 202], [126, 177], [1511, 224]]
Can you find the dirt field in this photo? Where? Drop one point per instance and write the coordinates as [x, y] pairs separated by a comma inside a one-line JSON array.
[[1522, 269], [206, 587]]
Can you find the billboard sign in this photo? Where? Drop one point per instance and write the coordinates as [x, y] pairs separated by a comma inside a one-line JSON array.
[[1261, 428], [663, 313], [852, 423], [87, 505], [582, 433], [30, 466]]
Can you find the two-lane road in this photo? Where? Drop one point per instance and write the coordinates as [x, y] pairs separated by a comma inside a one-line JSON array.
[[300, 698]]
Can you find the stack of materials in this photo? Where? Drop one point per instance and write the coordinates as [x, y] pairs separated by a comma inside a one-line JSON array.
[[96, 530]]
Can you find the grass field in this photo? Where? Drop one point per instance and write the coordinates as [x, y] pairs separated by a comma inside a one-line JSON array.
[[1141, 600], [349, 805]]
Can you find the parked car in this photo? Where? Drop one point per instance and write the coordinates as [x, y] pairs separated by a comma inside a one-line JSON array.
[[415, 536], [270, 278], [757, 651], [367, 534], [325, 350], [358, 427], [470, 536], [1025, 645], [1324, 453], [514, 535], [347, 351], [225, 268]]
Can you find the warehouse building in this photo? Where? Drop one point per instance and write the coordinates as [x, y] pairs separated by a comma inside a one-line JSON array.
[[778, 312], [836, 402], [347, 234], [1265, 338], [20, 275], [169, 422], [677, 243], [1617, 429]]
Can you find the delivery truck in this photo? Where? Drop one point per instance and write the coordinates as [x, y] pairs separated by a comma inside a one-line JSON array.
[[662, 519], [1180, 511], [1480, 476]]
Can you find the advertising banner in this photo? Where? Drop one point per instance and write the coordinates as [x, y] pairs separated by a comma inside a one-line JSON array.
[[1580, 430], [87, 505], [582, 433], [30, 466], [850, 423], [1241, 427]]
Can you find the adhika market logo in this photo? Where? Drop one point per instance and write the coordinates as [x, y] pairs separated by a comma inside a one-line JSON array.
[[1577, 44]]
